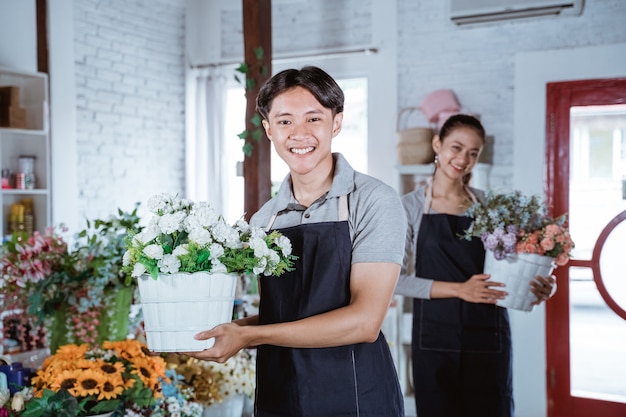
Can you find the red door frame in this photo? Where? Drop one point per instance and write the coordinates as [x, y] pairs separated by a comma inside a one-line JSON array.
[[560, 97]]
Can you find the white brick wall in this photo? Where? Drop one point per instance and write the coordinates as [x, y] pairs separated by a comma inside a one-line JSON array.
[[130, 76], [477, 61], [129, 61]]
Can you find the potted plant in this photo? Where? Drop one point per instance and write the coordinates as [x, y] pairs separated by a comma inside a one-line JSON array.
[[187, 253], [521, 241]]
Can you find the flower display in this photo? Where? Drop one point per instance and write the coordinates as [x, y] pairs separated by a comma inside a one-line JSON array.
[[213, 382], [184, 236], [82, 380], [177, 400], [28, 260], [516, 223], [74, 287]]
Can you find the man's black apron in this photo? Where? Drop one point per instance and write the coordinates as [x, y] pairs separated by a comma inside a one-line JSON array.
[[354, 380], [461, 351]]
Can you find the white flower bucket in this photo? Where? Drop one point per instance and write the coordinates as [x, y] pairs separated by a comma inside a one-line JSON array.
[[177, 306], [516, 271], [231, 406]]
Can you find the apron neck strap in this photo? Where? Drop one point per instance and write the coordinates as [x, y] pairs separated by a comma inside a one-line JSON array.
[[429, 194], [342, 213]]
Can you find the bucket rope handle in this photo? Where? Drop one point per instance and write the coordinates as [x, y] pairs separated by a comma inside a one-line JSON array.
[[406, 110]]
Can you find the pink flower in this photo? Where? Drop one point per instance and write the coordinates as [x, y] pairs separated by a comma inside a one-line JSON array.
[[547, 243]]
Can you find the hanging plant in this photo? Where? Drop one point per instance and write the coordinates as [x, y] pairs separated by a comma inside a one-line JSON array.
[[250, 73]]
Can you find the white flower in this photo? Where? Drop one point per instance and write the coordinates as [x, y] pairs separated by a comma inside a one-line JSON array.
[[170, 264], [284, 244], [172, 222], [204, 214], [200, 236], [218, 267], [148, 234], [18, 402], [153, 251], [225, 234], [126, 258], [260, 267], [216, 250], [259, 246], [194, 235], [157, 204], [138, 270], [180, 250]]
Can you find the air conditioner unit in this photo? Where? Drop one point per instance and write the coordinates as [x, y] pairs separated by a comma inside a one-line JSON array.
[[475, 11]]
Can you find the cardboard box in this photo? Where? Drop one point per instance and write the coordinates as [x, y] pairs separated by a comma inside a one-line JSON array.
[[9, 96], [13, 116]]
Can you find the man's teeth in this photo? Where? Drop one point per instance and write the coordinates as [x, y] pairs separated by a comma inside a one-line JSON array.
[[302, 151]]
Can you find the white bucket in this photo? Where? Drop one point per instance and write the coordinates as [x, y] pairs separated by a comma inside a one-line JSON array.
[[516, 271], [177, 306]]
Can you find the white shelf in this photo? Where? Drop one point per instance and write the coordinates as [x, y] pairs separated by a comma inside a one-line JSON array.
[[33, 140]]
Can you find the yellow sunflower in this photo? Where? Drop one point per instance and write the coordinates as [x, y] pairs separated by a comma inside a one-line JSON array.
[[110, 367], [89, 382], [143, 369], [111, 387], [66, 379]]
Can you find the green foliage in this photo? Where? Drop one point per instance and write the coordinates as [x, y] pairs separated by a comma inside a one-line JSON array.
[[250, 72]]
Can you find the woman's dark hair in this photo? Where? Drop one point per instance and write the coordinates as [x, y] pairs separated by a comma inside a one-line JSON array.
[[462, 120], [323, 87]]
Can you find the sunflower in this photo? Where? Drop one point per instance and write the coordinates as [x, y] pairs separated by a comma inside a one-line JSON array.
[[110, 368], [66, 380], [112, 387], [88, 383], [144, 370]]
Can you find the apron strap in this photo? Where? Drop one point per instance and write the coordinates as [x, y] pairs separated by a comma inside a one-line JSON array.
[[342, 213], [429, 194]]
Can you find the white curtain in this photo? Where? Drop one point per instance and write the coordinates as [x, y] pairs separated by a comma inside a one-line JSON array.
[[205, 150]]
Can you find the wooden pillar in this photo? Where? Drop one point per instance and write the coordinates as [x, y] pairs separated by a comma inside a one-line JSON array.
[[42, 35], [257, 34]]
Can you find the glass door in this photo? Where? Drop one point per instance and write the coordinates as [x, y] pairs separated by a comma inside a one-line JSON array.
[[586, 177]]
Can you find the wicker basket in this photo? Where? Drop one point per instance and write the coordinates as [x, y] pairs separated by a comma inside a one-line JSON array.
[[414, 145]]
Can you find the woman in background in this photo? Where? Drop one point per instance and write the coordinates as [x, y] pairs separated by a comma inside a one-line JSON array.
[[461, 341]]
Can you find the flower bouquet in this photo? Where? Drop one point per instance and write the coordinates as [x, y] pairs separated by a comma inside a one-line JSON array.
[[79, 380], [521, 241], [187, 261], [215, 385]]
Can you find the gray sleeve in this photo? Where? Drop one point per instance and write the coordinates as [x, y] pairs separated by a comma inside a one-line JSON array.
[[410, 285], [379, 223]]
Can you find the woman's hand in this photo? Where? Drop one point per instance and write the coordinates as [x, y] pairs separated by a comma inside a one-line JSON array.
[[477, 289], [543, 288]]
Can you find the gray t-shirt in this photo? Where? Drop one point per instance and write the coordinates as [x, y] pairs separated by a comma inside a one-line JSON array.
[[376, 219]]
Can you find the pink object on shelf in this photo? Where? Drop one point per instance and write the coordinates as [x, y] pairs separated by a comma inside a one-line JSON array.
[[439, 101]]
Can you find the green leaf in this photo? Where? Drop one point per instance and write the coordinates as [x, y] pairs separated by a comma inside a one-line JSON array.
[[258, 52], [243, 135], [250, 84], [242, 68], [247, 149], [257, 135], [256, 120]]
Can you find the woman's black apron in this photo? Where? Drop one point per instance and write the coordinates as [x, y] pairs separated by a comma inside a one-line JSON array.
[[461, 351], [354, 380]]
